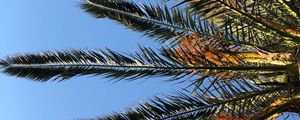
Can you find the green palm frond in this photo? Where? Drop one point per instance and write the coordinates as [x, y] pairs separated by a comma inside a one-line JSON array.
[[161, 22], [262, 23], [155, 21], [64, 65], [67, 64], [161, 107], [256, 10], [167, 62], [187, 106], [292, 6]]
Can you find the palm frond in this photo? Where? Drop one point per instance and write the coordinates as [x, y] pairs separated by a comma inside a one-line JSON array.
[[291, 6], [186, 106], [67, 64], [262, 23], [168, 62], [292, 102], [155, 21], [242, 54], [160, 22], [158, 107]]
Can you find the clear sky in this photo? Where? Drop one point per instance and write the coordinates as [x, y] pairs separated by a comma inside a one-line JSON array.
[[28, 26]]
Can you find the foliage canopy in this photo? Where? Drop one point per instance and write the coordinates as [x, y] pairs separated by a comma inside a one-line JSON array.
[[241, 57]]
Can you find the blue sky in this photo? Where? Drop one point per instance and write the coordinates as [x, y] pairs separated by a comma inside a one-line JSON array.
[[28, 26]]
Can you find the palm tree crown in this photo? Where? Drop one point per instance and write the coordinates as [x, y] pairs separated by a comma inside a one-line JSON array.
[[241, 57]]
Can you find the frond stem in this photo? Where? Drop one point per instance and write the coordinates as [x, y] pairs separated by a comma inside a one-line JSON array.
[[237, 68]]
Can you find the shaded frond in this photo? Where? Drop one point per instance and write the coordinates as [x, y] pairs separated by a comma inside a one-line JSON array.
[[265, 24], [283, 106]]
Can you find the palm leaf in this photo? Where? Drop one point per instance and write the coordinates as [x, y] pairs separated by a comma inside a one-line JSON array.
[[157, 21], [168, 62], [263, 23], [67, 64], [186, 106], [153, 20], [294, 101]]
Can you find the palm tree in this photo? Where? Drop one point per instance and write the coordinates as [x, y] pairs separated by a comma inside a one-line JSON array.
[[241, 57]]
